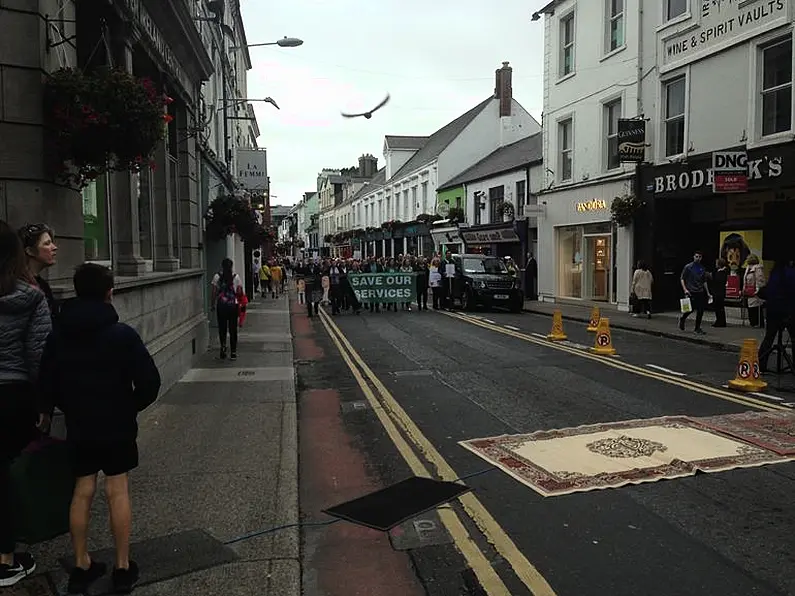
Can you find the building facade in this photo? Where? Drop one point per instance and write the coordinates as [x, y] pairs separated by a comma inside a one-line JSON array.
[[591, 80], [147, 226]]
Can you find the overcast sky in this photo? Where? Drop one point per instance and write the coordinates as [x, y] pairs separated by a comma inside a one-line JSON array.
[[435, 57]]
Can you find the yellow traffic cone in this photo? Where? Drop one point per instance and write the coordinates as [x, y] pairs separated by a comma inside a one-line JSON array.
[[604, 341], [557, 333], [594, 322], [748, 377]]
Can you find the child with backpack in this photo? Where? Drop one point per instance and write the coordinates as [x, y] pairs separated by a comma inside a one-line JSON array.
[[227, 293]]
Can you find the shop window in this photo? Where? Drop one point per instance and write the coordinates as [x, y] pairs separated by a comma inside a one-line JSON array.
[[96, 220], [612, 114], [674, 92], [615, 24], [496, 197], [570, 262], [675, 8], [567, 45], [566, 143], [777, 87]]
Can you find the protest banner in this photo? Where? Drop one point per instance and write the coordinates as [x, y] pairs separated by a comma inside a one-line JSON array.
[[382, 288]]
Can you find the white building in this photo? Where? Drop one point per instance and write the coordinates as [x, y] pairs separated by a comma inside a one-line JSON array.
[[590, 81], [415, 166]]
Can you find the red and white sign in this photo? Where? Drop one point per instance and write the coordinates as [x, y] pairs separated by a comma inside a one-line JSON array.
[[729, 171]]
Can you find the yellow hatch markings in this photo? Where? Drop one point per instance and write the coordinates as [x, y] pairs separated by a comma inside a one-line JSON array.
[[631, 368], [391, 414]]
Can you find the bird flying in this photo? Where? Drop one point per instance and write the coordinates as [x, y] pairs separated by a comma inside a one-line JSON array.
[[368, 114]]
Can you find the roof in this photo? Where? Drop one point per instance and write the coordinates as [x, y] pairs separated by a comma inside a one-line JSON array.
[[510, 157], [405, 142], [439, 140], [549, 8], [377, 181]]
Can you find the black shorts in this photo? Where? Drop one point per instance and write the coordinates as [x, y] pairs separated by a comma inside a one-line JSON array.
[[110, 457]]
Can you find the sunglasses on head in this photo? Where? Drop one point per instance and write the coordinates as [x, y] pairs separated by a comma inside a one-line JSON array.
[[32, 232]]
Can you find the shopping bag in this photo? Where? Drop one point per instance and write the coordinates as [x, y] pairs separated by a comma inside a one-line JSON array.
[[685, 306], [42, 483]]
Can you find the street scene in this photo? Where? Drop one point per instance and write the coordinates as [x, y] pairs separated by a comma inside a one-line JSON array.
[[493, 301]]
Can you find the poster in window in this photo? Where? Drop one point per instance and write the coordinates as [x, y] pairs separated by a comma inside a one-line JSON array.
[[735, 248]]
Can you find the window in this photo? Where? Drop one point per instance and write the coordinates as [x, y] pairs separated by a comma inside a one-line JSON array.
[[567, 45], [520, 197], [96, 220], [424, 197], [675, 8], [777, 87], [496, 196], [566, 142], [615, 24], [612, 114], [674, 96]]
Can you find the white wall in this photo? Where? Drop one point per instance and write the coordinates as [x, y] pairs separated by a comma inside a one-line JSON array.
[[396, 159], [599, 77]]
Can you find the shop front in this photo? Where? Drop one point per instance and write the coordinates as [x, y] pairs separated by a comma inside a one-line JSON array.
[[507, 239], [583, 255], [447, 237], [684, 213]]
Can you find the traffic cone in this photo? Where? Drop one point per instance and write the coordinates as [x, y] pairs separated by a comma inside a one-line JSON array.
[[603, 344], [748, 377], [594, 322], [557, 333]]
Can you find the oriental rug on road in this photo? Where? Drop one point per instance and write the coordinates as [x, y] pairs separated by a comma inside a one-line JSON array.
[[614, 454]]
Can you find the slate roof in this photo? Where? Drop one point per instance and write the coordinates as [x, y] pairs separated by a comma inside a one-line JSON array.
[[505, 159], [376, 182], [439, 140], [405, 142]]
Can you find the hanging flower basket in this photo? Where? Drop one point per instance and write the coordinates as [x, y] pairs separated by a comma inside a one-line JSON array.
[[229, 215], [506, 209], [624, 209], [108, 120]]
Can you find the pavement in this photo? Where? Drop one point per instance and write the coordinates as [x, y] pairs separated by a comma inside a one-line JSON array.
[[444, 378], [218, 460], [663, 324]]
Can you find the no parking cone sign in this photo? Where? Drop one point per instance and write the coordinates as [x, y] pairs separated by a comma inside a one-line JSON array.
[[604, 342]]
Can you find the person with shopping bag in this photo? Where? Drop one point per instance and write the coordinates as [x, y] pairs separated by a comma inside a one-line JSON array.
[[696, 292], [25, 322]]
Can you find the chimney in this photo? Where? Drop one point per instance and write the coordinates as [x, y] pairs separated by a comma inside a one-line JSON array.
[[503, 89], [368, 166]]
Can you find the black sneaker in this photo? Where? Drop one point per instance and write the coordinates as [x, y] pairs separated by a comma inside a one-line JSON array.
[[681, 324], [80, 579], [22, 567], [699, 331], [124, 580], [233, 356], [223, 352]]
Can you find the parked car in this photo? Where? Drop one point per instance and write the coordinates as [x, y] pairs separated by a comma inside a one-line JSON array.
[[482, 280]]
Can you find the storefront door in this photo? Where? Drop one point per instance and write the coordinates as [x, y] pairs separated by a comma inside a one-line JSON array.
[[598, 267]]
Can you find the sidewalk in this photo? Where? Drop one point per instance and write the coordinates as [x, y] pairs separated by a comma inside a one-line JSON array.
[[661, 324], [219, 460]]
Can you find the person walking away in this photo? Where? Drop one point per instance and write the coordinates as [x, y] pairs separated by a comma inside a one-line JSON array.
[[435, 281], [779, 296], [25, 322], [264, 279], [407, 267], [226, 292], [335, 273], [100, 374], [718, 287], [753, 281], [642, 282], [447, 298], [421, 268], [276, 279], [694, 286], [41, 251]]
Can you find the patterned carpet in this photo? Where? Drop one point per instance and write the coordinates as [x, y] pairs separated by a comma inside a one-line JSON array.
[[610, 455]]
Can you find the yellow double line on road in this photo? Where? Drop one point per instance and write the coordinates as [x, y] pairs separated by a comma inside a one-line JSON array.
[[412, 444], [631, 368]]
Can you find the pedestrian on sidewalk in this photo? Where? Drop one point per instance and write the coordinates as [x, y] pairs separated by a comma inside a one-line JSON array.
[[40, 249], [227, 290], [719, 281], [100, 374], [694, 286], [25, 323], [642, 282], [753, 281], [264, 279], [276, 279]]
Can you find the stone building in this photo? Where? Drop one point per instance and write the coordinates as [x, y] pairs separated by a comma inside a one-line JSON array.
[[147, 226]]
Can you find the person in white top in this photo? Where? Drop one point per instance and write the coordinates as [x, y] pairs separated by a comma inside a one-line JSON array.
[[642, 281], [227, 290]]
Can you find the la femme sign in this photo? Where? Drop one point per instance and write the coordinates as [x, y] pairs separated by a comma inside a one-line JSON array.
[[704, 177]]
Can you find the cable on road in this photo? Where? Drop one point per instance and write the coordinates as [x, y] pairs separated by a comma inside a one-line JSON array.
[[318, 524]]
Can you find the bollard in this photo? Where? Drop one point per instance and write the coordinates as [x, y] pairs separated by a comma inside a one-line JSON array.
[[593, 324], [557, 333]]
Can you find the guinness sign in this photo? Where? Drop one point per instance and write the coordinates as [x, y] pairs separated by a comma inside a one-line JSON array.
[[631, 139]]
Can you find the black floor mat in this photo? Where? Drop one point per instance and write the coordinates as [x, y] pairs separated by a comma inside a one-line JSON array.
[[164, 557], [390, 506]]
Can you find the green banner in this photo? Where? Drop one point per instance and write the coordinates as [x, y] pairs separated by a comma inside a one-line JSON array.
[[381, 288]]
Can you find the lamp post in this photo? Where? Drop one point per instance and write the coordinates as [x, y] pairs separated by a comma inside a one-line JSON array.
[[285, 42]]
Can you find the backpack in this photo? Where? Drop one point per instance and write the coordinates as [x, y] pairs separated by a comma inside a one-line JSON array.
[[227, 296]]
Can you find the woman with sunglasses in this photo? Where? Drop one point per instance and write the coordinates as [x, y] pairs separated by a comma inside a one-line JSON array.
[[40, 249]]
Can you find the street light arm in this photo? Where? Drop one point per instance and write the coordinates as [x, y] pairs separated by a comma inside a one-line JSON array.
[[285, 42]]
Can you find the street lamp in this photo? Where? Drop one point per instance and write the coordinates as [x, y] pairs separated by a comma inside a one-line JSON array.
[[285, 42]]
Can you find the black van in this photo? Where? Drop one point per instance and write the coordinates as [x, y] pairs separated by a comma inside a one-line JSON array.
[[481, 280]]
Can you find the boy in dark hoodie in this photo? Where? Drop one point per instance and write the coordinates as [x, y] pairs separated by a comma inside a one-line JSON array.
[[100, 374]]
